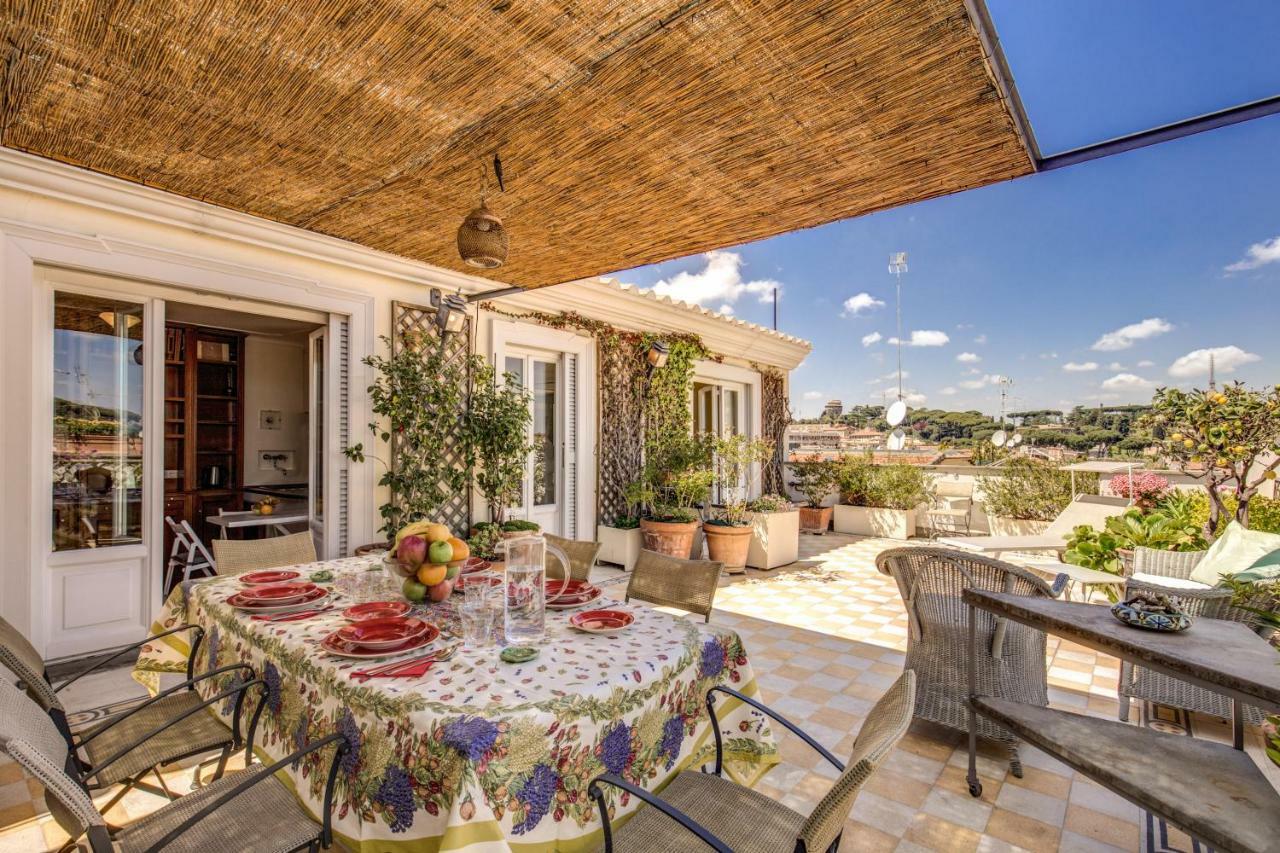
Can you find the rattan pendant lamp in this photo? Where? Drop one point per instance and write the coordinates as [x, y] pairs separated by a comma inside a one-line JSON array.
[[482, 241]]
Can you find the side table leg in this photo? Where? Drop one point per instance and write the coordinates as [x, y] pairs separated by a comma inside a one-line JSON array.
[[1237, 724], [975, 786]]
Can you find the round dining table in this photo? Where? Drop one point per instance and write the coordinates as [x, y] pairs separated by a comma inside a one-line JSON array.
[[478, 754]]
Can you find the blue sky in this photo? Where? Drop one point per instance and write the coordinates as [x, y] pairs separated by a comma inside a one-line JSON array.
[[1094, 283]]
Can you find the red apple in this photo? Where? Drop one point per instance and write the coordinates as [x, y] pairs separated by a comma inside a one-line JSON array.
[[412, 551]]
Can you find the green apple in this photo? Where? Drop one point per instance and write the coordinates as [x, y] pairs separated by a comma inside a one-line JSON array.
[[440, 552], [413, 590]]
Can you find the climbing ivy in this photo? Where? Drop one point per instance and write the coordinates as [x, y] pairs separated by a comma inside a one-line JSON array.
[[666, 405]]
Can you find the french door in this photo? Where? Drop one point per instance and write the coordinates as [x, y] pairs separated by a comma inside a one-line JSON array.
[[719, 410], [542, 375]]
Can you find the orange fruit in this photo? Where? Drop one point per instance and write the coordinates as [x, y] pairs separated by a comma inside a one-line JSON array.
[[460, 549], [432, 574]]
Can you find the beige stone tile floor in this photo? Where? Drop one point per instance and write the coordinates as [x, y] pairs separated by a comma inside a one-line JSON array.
[[825, 636]]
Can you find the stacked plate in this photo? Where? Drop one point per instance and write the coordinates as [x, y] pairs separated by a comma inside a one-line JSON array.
[[277, 597], [268, 576], [566, 595], [381, 636]]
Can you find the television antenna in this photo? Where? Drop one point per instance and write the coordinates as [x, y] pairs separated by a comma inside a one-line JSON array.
[[1001, 437], [897, 266]]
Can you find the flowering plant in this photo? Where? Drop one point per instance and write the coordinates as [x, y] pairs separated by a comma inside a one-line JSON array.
[[1144, 488]]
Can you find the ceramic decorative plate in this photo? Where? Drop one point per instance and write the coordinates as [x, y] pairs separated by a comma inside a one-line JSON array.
[[375, 610], [239, 603], [272, 576], [385, 633], [518, 654], [277, 593], [475, 564], [565, 592], [601, 621], [463, 580], [570, 604], [338, 648], [1169, 623]]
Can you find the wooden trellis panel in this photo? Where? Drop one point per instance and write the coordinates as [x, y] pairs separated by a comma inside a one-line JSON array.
[[620, 459], [776, 415], [415, 321]]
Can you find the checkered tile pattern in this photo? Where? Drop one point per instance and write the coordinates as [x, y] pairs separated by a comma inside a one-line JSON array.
[[826, 635]]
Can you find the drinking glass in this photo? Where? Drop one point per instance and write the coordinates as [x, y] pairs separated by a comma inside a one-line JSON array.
[[478, 617]]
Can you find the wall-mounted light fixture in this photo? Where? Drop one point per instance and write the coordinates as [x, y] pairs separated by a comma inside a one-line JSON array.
[[657, 355], [451, 312]]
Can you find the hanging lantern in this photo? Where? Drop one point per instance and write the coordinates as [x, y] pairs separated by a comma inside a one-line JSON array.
[[482, 241]]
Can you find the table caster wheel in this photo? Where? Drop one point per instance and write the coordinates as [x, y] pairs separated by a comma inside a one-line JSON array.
[[975, 789]]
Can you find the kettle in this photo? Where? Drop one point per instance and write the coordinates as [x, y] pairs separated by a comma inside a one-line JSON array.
[[215, 477]]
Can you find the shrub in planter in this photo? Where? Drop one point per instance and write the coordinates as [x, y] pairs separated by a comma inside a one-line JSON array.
[[880, 500], [621, 539], [775, 532], [734, 459], [815, 479], [1030, 491], [677, 477]]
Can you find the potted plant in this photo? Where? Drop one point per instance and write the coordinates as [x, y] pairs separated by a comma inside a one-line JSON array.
[[880, 500], [735, 460], [815, 479], [620, 541], [1028, 495], [680, 478], [775, 532], [495, 431]]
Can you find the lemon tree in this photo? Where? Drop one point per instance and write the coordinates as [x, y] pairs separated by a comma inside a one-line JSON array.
[[1229, 439]]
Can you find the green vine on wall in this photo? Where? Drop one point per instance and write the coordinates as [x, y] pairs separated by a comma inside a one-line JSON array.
[[666, 406]]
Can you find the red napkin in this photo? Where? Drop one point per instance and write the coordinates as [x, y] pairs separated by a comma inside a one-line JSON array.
[[409, 670]]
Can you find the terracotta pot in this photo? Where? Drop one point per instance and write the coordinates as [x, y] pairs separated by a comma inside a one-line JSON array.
[[728, 545], [673, 538], [815, 519]]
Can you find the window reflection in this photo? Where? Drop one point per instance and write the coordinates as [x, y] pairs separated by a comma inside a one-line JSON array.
[[97, 422]]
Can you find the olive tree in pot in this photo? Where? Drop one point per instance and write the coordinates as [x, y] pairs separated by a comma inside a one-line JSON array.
[[815, 479], [496, 431], [678, 477], [735, 463]]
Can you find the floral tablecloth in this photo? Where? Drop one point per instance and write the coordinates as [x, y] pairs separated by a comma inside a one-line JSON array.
[[481, 755]]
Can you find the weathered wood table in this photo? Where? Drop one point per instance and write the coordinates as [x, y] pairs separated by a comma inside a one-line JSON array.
[[1210, 790]]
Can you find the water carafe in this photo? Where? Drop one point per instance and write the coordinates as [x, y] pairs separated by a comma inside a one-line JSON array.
[[524, 621]]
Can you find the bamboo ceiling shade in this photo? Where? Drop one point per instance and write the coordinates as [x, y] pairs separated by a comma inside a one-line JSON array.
[[631, 131]]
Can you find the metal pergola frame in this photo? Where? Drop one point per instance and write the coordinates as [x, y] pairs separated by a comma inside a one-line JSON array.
[[981, 18]]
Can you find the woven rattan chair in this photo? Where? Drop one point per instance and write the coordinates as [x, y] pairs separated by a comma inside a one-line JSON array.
[[237, 556], [247, 810], [931, 581], [125, 748], [581, 554], [701, 810], [1202, 602], [669, 581]]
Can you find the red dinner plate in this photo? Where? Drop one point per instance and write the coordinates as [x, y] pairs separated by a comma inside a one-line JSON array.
[[475, 564], [335, 646], [375, 610], [463, 580], [385, 633], [571, 603], [273, 576], [569, 590], [278, 593], [239, 602], [601, 621]]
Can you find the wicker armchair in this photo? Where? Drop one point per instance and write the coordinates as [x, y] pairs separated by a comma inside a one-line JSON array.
[[669, 581], [237, 556], [1148, 564], [215, 817], [701, 810], [125, 748], [581, 554], [931, 581]]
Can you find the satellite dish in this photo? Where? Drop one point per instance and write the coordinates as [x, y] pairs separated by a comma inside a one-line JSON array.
[[897, 440], [897, 413], [999, 438], [1016, 440]]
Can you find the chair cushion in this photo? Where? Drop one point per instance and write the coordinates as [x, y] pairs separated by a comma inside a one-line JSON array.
[[747, 821], [1162, 580], [1265, 568], [1234, 551], [266, 818], [201, 732]]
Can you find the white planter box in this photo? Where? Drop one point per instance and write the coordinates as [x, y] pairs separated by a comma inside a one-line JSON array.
[[874, 521], [1016, 527], [775, 539], [618, 546]]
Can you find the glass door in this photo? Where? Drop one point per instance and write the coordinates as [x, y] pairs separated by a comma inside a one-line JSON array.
[[718, 411], [317, 373], [541, 495]]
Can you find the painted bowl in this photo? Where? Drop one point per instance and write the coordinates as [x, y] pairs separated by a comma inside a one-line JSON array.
[[1169, 623]]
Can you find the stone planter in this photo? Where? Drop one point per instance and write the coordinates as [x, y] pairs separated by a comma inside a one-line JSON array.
[[775, 539], [620, 546], [673, 538], [728, 545], [875, 521], [815, 519], [1016, 526]]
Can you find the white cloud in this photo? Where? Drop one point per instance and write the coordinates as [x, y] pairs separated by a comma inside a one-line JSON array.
[[1127, 336], [1080, 366], [720, 281], [873, 338], [891, 376], [813, 395], [925, 338], [948, 391], [1115, 365], [1146, 362], [1266, 252], [972, 371], [1049, 356], [910, 395], [860, 303], [726, 310], [968, 357], [980, 339], [982, 382], [1125, 382], [1196, 362]]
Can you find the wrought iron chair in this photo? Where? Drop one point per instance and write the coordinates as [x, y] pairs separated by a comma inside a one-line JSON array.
[[689, 585], [237, 556], [248, 810], [931, 581], [125, 748], [582, 557], [700, 810]]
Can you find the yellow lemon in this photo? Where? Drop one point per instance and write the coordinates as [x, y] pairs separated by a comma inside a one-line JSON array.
[[437, 533], [432, 574]]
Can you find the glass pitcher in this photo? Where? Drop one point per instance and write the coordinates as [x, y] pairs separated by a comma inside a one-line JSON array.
[[525, 613]]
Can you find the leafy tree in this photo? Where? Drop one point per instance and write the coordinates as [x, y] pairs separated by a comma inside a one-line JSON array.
[[1219, 437], [814, 477], [496, 434]]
